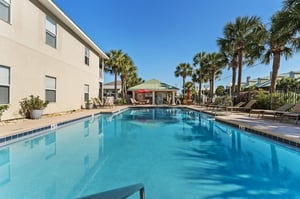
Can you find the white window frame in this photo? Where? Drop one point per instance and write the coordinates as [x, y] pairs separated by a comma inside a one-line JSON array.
[[87, 56], [5, 81], [86, 90], [7, 4], [51, 30], [50, 87]]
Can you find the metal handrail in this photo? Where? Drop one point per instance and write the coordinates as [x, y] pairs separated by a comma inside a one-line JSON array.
[[119, 193]]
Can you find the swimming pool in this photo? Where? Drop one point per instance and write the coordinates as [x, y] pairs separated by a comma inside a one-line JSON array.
[[176, 153]]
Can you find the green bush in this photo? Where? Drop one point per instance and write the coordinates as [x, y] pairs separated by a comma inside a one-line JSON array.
[[2, 109], [264, 100], [121, 101], [32, 103]]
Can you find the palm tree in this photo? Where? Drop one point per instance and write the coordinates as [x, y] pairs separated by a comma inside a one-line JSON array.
[[113, 65], [126, 68], [279, 43], [183, 70], [198, 75], [227, 47], [292, 13], [213, 64], [133, 79], [246, 37]]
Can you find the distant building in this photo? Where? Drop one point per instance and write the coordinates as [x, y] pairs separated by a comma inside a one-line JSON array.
[[265, 82], [109, 88], [44, 53], [155, 91]]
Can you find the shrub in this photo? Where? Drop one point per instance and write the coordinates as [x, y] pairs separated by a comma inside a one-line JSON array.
[[2, 109], [32, 103], [262, 100], [121, 101]]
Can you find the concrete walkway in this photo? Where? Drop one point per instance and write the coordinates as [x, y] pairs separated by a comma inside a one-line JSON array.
[[8, 128], [287, 131]]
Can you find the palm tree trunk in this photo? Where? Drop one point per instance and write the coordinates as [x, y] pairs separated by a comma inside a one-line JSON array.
[[199, 92], [122, 85], [212, 84], [233, 80], [116, 90], [125, 88], [275, 68], [240, 65], [183, 86]]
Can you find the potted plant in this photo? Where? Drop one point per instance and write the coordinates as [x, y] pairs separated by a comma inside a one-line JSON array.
[[2, 109], [89, 104], [32, 107]]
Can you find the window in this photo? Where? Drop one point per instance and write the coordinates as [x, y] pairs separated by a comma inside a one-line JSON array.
[[5, 10], [86, 92], [4, 84], [50, 32], [87, 56], [50, 89]]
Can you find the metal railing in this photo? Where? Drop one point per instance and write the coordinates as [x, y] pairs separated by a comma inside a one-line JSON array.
[[119, 193]]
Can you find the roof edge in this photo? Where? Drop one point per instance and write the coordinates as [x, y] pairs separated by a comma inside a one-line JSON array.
[[55, 10]]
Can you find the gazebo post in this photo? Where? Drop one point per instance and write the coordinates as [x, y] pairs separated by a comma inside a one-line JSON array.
[[153, 97], [133, 94], [173, 98]]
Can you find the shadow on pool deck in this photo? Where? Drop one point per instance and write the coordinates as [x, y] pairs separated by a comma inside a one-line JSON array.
[[286, 131]]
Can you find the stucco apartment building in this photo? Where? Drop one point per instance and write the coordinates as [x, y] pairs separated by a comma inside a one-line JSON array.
[[44, 53]]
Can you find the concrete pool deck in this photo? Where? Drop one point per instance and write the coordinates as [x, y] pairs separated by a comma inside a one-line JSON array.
[[287, 131]]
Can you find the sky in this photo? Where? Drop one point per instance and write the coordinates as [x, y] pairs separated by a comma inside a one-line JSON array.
[[160, 34]]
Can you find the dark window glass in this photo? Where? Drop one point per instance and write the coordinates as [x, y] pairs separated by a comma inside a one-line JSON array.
[[4, 94], [5, 10], [50, 95]]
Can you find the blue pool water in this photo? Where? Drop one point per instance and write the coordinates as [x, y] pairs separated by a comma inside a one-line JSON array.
[[176, 153]]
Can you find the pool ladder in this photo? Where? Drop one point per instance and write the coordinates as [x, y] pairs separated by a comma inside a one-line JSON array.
[[119, 193]]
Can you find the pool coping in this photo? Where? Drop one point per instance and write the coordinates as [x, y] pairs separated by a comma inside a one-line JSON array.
[[22, 135], [281, 138], [25, 134], [268, 134]]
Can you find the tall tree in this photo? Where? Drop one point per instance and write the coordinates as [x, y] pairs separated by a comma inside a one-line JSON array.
[[199, 75], [279, 42], [213, 64], [113, 65], [133, 79], [126, 68], [247, 35], [227, 47], [292, 13], [183, 70]]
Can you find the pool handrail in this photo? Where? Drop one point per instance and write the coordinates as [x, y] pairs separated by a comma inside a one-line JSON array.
[[119, 193]]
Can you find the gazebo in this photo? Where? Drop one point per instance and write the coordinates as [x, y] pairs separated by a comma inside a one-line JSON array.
[[155, 90]]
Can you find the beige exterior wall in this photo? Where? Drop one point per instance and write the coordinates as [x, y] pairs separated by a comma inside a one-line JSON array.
[[30, 59]]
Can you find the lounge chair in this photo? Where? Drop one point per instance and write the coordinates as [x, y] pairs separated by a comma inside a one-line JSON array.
[[235, 106], [247, 107], [277, 112], [132, 101], [295, 114], [135, 102], [109, 101], [215, 105], [97, 102]]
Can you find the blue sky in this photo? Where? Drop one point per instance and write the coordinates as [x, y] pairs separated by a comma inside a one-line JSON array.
[[160, 34]]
